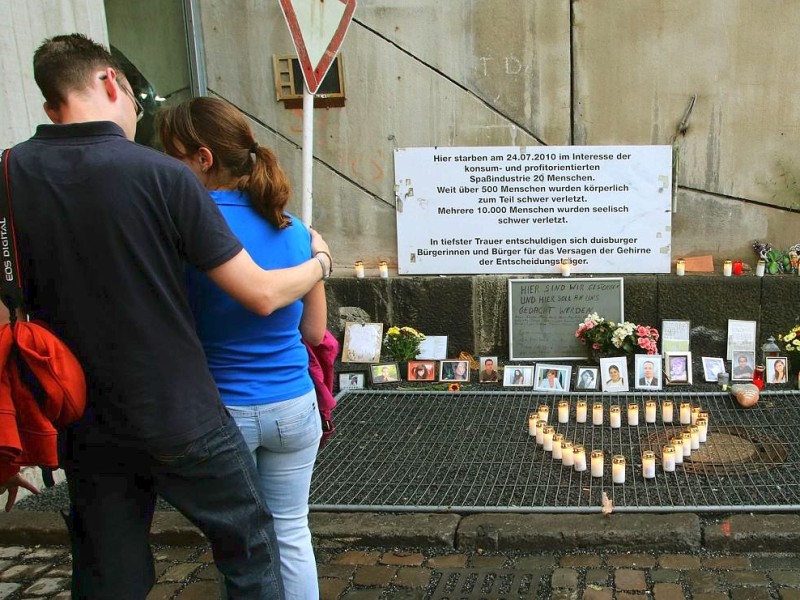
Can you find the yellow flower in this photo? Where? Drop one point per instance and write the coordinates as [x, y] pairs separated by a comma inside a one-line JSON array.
[[393, 331], [454, 387]]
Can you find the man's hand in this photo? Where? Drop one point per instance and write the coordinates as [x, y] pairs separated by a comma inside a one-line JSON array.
[[12, 485]]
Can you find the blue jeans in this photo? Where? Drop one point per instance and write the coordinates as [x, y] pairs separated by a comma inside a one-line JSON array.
[[211, 480], [283, 438]]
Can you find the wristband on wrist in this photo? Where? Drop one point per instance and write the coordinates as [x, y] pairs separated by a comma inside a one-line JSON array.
[[322, 265], [330, 260]]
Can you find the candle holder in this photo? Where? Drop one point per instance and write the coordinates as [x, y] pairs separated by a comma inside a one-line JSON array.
[[667, 410], [685, 413], [597, 413], [614, 417], [668, 458], [544, 412], [597, 463], [547, 438], [532, 419], [702, 426], [558, 440], [727, 268], [579, 456], [694, 431], [359, 269], [581, 410], [758, 377], [761, 267], [618, 468], [695, 413], [686, 439], [649, 464], [540, 432], [650, 409], [680, 267], [383, 267], [563, 411], [677, 445], [566, 267], [567, 454], [633, 415], [738, 267]]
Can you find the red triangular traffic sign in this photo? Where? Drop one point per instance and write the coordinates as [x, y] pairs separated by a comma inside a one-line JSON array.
[[318, 28]]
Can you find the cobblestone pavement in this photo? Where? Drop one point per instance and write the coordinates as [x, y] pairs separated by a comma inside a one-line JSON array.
[[187, 573]]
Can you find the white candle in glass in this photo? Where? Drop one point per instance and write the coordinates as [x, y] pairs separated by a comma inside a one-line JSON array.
[[547, 438], [695, 412], [760, 267], [383, 267], [532, 419], [567, 454], [614, 417], [597, 463], [695, 433], [540, 432], [359, 267], [677, 445], [597, 413], [579, 456], [650, 411], [686, 438], [580, 411], [566, 267], [633, 414], [685, 413], [618, 468], [668, 458], [648, 464], [558, 439], [667, 408], [727, 268], [704, 415], [544, 412], [702, 426], [563, 411], [680, 267]]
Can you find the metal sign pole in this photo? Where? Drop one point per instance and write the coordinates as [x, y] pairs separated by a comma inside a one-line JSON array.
[[308, 156]]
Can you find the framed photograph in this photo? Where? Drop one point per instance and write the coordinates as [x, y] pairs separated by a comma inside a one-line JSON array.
[[421, 370], [647, 374], [518, 376], [777, 369], [741, 338], [351, 381], [362, 342], [614, 374], [384, 373], [678, 367], [454, 370], [552, 378], [488, 372], [712, 367], [587, 379], [675, 335], [742, 366]]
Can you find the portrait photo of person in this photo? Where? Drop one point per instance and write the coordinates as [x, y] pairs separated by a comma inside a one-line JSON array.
[[351, 381], [454, 370], [679, 367], [742, 369], [648, 372], [385, 373], [776, 370], [488, 372], [587, 379], [552, 378], [518, 376], [614, 373], [712, 367], [421, 370]]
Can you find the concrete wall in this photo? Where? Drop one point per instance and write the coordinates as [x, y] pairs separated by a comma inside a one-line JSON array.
[[540, 72]]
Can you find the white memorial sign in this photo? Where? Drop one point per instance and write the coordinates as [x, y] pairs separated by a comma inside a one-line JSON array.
[[523, 210]]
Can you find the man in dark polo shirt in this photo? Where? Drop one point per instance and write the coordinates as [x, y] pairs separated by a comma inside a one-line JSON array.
[[105, 228]]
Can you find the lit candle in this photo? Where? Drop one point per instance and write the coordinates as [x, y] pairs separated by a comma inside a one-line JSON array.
[[579, 456], [547, 440], [359, 266], [668, 458], [666, 411], [614, 417], [703, 415], [532, 418], [566, 267], [563, 411], [727, 268], [558, 439], [648, 464], [618, 468], [540, 432], [597, 413], [597, 463], [544, 412], [677, 445], [738, 267], [702, 426], [695, 433], [650, 411], [695, 412], [686, 413], [680, 267], [760, 267], [686, 438], [383, 267], [580, 411], [567, 454], [633, 414]]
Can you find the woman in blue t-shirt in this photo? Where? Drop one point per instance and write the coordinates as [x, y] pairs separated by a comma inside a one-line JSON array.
[[260, 364]]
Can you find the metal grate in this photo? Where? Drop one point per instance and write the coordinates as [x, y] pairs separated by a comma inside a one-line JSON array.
[[470, 452], [478, 584]]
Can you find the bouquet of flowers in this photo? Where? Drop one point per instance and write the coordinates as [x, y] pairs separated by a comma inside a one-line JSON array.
[[402, 343], [608, 337], [791, 340]]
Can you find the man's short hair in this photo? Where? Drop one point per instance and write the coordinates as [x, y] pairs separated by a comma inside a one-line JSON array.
[[65, 63]]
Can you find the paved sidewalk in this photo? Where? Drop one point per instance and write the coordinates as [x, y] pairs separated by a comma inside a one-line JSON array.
[[365, 556]]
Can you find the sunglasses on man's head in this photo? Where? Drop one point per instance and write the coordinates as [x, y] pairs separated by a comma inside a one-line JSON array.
[[136, 104]]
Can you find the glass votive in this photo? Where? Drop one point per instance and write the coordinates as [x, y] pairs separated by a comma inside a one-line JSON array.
[[614, 417], [685, 413], [359, 268], [566, 267], [738, 267], [650, 409], [694, 431], [532, 419], [680, 267], [667, 408], [558, 439], [702, 427], [544, 412], [563, 411], [677, 445], [686, 438], [648, 464], [758, 377], [618, 468], [383, 267], [540, 425], [760, 267], [695, 411], [668, 458], [633, 414], [727, 268], [567, 454], [547, 438], [579, 456], [597, 463], [580, 411], [597, 413]]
